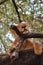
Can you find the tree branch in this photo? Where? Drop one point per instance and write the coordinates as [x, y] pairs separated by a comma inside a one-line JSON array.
[[28, 35], [29, 56], [3, 1], [17, 10]]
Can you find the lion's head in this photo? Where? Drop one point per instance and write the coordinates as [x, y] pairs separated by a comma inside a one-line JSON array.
[[22, 27]]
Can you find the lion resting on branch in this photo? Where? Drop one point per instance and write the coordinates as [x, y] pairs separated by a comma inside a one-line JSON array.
[[23, 44]]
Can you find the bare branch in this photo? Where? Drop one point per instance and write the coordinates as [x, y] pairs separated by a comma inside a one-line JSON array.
[[28, 35], [17, 10], [3, 1]]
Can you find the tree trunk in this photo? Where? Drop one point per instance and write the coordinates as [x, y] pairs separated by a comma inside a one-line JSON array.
[[25, 58]]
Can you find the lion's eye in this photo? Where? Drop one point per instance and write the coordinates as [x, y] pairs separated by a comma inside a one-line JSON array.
[[23, 26]]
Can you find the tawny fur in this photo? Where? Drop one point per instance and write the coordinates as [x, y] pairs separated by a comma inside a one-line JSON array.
[[27, 44]]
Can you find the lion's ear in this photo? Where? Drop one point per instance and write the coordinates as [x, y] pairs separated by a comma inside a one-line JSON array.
[[26, 23], [20, 27]]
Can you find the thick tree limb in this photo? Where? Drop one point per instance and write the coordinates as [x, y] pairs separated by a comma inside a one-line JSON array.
[[28, 56], [28, 35]]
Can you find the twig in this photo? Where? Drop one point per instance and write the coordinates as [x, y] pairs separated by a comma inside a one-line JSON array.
[[3, 2], [17, 10]]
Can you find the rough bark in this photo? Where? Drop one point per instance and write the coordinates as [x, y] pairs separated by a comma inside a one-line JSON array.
[[27, 35], [25, 58]]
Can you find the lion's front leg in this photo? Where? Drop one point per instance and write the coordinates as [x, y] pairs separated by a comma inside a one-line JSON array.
[[12, 48]]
